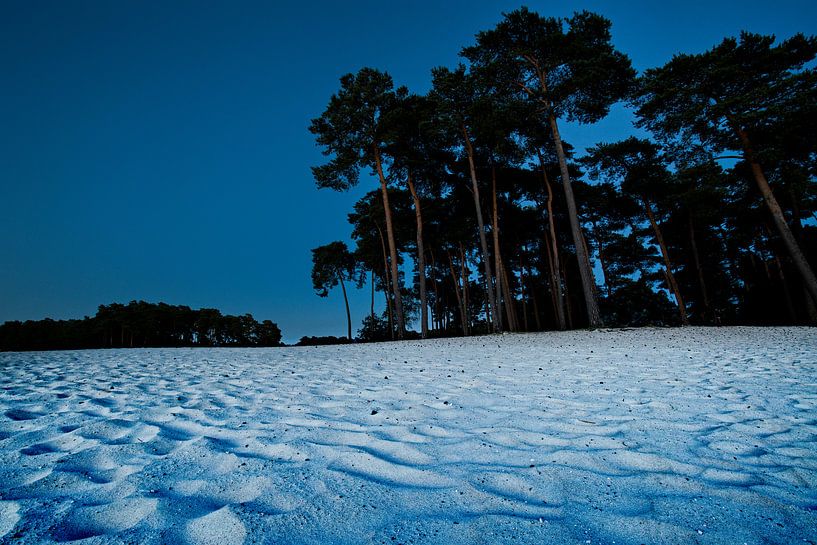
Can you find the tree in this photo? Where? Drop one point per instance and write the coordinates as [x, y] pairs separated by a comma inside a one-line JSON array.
[[458, 104], [569, 69], [637, 165], [722, 98], [352, 132], [332, 264], [417, 158]]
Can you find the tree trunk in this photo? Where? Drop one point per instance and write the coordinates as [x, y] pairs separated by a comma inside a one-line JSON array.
[[386, 283], [796, 254], [509, 306], [395, 276], [568, 303], [348, 314], [586, 274], [371, 278], [421, 265], [481, 225], [497, 256], [673, 285], [555, 277], [464, 269], [698, 268], [460, 304], [553, 253], [436, 290]]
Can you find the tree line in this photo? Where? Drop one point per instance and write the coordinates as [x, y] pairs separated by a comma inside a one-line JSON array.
[[503, 225], [140, 324]]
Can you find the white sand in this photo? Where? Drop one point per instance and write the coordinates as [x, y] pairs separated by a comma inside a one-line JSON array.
[[639, 436]]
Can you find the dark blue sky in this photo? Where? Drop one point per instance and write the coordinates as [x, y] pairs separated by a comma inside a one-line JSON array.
[[159, 150]]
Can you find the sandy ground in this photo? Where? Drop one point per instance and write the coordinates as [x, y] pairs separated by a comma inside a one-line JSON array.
[[663, 436]]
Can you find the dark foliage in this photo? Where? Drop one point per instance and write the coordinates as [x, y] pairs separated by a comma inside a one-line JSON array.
[[322, 341], [709, 220], [140, 324]]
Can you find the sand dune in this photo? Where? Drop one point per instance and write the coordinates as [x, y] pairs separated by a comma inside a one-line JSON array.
[[640, 436]]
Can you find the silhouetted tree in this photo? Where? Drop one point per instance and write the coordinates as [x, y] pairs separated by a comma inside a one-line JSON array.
[[332, 264]]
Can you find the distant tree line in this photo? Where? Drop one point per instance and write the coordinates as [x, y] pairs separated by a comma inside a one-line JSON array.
[[322, 341], [708, 220], [140, 324]]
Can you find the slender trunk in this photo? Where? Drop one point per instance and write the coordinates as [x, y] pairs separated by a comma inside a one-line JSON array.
[[554, 279], [697, 260], [371, 278], [497, 256], [436, 289], [387, 282], [459, 297], [673, 285], [348, 314], [481, 225], [568, 303], [553, 254], [464, 269], [586, 274], [796, 254], [395, 275], [509, 306], [421, 265]]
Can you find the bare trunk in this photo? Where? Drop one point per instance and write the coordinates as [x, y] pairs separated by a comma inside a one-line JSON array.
[[348, 314], [586, 274], [568, 304], [386, 283], [421, 265], [459, 297], [436, 290], [464, 270], [698, 268], [371, 278], [497, 255], [554, 279], [509, 300], [796, 254], [553, 254], [481, 225], [673, 285], [395, 275]]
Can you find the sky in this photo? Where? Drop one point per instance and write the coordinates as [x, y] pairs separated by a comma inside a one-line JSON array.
[[159, 150]]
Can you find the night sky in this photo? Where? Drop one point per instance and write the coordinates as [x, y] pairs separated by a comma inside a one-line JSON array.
[[159, 150]]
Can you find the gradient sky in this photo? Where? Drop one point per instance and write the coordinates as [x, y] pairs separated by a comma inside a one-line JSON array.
[[159, 150]]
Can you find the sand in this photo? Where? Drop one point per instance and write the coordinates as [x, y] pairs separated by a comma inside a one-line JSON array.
[[694, 435]]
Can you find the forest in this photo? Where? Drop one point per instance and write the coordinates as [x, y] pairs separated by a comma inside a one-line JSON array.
[[140, 324], [483, 218]]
